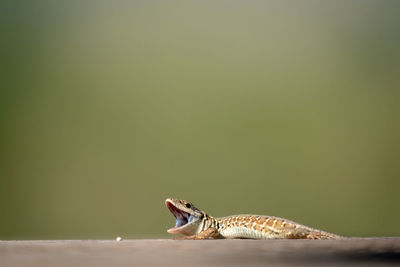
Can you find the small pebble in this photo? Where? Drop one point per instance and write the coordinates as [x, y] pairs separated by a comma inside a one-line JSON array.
[[119, 238]]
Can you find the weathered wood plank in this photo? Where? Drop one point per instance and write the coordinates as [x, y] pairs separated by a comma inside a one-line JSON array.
[[371, 251]]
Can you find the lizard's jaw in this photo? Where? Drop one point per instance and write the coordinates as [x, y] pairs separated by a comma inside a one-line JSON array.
[[184, 220]]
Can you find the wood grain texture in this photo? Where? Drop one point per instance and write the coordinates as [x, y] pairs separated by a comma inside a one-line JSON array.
[[362, 251]]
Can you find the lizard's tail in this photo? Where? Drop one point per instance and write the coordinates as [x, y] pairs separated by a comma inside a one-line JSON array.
[[306, 233]]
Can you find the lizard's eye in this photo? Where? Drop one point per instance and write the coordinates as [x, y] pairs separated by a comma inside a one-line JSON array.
[[188, 205]]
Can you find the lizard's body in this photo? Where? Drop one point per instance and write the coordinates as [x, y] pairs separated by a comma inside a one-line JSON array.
[[196, 224]]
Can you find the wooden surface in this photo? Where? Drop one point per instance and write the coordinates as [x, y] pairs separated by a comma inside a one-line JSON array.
[[355, 251]]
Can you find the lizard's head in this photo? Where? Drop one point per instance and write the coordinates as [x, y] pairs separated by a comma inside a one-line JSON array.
[[189, 219]]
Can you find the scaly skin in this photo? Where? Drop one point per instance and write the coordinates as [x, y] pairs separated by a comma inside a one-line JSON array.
[[196, 224]]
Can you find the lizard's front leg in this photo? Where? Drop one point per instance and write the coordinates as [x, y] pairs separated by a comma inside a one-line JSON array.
[[210, 233]]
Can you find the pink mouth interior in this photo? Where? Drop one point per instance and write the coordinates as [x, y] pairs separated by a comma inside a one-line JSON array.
[[182, 217]]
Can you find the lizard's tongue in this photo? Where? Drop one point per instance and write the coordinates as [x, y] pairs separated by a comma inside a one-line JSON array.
[[181, 219]]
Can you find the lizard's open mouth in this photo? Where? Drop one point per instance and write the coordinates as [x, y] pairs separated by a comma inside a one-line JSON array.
[[182, 218]]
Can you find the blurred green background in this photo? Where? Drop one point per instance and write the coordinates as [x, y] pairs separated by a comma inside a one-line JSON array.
[[285, 108]]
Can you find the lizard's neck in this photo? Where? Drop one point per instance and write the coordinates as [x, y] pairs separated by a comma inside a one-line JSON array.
[[208, 222]]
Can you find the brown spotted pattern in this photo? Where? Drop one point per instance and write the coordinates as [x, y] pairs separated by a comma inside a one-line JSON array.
[[266, 227]]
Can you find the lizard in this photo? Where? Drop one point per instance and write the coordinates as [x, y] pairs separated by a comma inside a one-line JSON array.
[[195, 224]]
